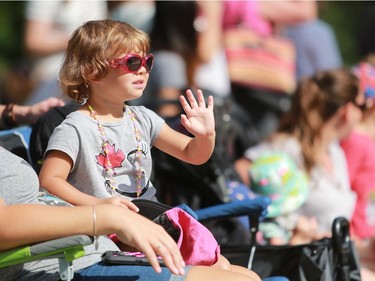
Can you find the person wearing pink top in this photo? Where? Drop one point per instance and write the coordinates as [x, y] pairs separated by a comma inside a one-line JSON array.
[[359, 149]]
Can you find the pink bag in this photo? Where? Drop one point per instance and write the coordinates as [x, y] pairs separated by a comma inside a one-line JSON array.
[[262, 62], [197, 244]]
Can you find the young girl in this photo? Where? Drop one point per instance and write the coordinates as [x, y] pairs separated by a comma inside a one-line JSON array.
[[101, 152]]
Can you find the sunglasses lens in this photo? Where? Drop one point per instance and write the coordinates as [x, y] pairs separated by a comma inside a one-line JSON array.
[[134, 63], [149, 63]]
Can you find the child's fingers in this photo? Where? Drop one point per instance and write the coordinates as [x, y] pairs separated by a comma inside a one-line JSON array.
[[210, 102], [185, 122], [200, 96], [191, 98], [185, 105]]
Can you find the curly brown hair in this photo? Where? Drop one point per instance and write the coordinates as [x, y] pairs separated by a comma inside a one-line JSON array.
[[90, 50]]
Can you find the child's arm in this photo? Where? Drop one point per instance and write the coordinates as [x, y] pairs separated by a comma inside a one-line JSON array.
[[53, 177], [199, 121]]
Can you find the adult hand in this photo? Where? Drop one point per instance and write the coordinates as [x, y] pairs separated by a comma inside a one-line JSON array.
[[198, 119], [38, 109], [149, 238]]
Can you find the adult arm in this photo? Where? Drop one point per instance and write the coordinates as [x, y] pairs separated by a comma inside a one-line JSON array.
[[26, 224], [26, 115]]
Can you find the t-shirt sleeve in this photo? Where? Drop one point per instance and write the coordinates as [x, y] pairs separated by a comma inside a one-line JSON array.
[[65, 138], [150, 121]]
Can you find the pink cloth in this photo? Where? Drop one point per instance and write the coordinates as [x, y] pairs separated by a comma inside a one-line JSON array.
[[245, 13], [360, 153], [197, 244]]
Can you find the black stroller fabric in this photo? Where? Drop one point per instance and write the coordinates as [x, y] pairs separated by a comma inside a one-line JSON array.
[[329, 259], [311, 262]]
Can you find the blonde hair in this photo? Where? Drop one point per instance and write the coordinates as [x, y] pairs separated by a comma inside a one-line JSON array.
[[90, 49]]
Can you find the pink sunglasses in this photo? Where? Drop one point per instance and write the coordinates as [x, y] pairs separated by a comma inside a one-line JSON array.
[[133, 62]]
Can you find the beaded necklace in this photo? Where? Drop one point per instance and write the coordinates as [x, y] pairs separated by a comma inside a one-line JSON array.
[[108, 165]]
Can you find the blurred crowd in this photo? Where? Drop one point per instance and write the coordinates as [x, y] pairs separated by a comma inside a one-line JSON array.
[[323, 131]]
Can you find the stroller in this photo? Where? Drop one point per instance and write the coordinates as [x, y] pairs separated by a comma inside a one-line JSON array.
[[328, 259]]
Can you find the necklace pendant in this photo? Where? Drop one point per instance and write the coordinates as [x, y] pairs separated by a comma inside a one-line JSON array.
[[110, 173], [138, 193]]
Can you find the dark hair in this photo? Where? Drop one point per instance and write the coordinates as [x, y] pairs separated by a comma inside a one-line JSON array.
[[173, 28], [315, 101]]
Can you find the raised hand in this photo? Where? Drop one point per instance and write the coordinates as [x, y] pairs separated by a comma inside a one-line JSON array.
[[198, 118]]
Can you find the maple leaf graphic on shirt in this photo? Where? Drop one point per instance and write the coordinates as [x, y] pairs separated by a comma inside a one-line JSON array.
[[115, 157]]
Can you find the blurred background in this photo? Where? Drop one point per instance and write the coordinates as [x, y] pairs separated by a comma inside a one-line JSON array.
[[343, 16]]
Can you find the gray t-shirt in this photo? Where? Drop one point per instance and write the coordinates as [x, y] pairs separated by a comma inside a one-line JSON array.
[[19, 184], [330, 194], [78, 137]]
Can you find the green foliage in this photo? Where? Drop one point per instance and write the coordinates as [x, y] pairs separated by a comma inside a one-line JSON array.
[[344, 17], [11, 31]]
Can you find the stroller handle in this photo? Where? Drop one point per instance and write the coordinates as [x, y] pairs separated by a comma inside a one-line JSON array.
[[342, 246]]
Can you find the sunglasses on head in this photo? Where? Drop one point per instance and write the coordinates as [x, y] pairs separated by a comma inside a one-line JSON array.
[[133, 62]]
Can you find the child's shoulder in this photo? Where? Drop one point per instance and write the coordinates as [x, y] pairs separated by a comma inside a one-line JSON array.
[[76, 117], [142, 111], [75, 120], [138, 108]]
